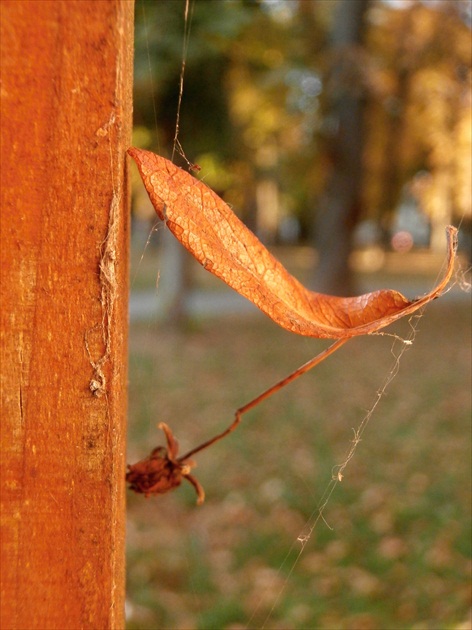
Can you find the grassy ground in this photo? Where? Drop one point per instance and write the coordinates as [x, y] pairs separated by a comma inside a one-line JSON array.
[[393, 550]]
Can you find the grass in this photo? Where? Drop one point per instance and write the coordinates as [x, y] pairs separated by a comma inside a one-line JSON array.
[[394, 549]]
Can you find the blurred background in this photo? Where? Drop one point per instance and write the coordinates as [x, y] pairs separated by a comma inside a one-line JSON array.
[[340, 131]]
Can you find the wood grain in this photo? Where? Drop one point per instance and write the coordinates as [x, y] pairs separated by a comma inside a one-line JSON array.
[[66, 120]]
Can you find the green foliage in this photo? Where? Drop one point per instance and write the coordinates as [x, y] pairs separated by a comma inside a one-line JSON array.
[[260, 82]]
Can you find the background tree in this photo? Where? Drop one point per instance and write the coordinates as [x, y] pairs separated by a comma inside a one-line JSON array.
[[285, 111], [339, 206], [419, 113]]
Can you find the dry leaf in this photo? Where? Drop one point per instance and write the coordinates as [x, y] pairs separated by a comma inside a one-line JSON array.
[[163, 470], [210, 230]]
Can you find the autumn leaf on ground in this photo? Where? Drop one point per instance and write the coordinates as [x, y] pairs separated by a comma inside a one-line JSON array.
[[208, 228]]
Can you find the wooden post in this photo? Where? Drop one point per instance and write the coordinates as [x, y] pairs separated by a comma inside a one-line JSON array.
[[66, 122]]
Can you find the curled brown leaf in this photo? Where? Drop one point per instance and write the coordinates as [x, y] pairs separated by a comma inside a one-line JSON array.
[[208, 228]]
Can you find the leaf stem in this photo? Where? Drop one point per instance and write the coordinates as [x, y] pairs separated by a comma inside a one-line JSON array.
[[265, 394]]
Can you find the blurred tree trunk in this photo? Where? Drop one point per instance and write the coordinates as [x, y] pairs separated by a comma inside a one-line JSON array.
[[66, 122], [393, 177], [340, 204]]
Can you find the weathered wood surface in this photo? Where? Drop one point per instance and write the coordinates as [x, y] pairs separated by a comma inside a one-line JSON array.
[[66, 123]]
